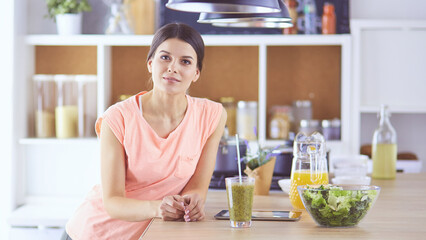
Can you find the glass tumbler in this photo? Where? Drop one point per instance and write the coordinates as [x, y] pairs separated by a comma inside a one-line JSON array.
[[240, 200]]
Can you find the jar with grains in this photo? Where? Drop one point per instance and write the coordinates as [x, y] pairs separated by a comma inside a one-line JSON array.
[[45, 94], [66, 112], [279, 125], [231, 109], [247, 120]]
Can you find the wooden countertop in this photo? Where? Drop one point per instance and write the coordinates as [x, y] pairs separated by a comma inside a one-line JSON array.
[[399, 213]]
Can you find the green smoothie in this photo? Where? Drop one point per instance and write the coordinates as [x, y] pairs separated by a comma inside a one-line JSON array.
[[240, 201]]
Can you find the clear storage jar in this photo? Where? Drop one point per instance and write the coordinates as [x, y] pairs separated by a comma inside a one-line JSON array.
[[309, 126], [87, 107], [279, 125], [247, 120], [45, 89], [302, 110], [231, 109], [66, 112]]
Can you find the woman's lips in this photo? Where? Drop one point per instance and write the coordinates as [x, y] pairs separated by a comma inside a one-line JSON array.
[[170, 79]]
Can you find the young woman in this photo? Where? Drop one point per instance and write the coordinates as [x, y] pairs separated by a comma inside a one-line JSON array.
[[158, 148]]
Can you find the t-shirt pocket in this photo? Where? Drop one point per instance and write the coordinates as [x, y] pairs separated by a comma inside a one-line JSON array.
[[186, 165]]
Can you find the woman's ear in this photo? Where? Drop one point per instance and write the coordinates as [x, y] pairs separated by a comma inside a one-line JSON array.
[[149, 65], [197, 75]]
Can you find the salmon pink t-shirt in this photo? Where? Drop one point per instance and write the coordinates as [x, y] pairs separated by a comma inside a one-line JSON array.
[[155, 167]]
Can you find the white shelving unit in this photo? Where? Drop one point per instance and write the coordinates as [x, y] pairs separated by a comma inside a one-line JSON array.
[[41, 155], [389, 59], [104, 43]]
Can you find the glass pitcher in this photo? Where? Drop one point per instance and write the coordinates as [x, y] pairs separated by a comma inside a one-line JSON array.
[[309, 164]]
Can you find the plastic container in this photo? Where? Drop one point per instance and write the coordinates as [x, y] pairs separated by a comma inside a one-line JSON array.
[[231, 109], [309, 126], [350, 165], [279, 126], [336, 125], [87, 107], [247, 120], [66, 111], [302, 109], [45, 89], [331, 129]]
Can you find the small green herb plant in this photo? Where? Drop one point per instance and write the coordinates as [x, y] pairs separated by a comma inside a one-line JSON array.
[[56, 7], [259, 157]]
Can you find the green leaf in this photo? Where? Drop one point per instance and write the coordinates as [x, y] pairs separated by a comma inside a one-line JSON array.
[[55, 7]]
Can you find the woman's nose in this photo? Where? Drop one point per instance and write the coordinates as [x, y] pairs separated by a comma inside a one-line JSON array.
[[172, 67]]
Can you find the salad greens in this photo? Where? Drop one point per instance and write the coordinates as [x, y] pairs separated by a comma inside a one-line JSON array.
[[333, 206]]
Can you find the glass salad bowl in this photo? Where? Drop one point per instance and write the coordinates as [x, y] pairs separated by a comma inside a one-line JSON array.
[[338, 206]]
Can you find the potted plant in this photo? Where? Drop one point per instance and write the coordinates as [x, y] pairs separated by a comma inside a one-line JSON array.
[[67, 14], [260, 163]]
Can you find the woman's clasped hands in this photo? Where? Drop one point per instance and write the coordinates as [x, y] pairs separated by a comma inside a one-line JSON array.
[[188, 208]]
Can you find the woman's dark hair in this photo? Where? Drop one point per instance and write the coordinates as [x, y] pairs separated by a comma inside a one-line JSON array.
[[180, 31]]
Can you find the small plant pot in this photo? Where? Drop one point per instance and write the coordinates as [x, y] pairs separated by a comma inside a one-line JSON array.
[[263, 176], [69, 24]]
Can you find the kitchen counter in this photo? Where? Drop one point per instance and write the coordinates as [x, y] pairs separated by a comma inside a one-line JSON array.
[[399, 213]]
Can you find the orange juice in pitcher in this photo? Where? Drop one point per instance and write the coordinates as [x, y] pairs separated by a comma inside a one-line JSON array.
[[309, 164]]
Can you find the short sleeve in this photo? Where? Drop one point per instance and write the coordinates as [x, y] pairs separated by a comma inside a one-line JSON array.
[[213, 115], [114, 117]]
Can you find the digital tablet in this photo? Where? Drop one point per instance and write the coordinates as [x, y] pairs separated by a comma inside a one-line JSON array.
[[266, 215]]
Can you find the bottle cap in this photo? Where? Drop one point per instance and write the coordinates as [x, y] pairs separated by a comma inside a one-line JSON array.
[[328, 8], [247, 104]]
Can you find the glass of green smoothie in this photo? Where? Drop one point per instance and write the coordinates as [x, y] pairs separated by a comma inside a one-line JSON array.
[[240, 200]]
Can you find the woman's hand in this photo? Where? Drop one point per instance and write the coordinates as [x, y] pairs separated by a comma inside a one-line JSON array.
[[172, 208], [194, 207]]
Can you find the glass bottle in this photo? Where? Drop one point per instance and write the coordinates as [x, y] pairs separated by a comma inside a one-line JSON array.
[[328, 19], [309, 164], [384, 148], [292, 9], [310, 11]]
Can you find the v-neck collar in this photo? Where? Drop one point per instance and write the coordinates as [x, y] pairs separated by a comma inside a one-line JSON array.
[[138, 105]]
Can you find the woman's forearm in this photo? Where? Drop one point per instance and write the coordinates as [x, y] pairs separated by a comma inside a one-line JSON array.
[[131, 210]]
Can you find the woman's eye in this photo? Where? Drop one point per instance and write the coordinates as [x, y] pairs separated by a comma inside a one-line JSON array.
[[187, 62], [165, 57]]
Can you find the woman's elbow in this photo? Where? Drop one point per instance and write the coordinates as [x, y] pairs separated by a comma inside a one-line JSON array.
[[110, 208]]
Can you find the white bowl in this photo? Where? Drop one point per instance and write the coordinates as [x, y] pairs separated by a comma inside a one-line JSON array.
[[352, 180], [285, 185]]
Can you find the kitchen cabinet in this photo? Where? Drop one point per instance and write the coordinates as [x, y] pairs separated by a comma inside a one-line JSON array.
[[389, 68], [270, 69]]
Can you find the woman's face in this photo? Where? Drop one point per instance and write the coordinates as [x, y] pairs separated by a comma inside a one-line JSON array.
[[174, 66]]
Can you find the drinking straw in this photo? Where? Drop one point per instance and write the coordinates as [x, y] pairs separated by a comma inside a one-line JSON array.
[[238, 156]]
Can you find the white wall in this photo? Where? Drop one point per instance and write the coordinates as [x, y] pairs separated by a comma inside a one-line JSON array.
[[388, 9]]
